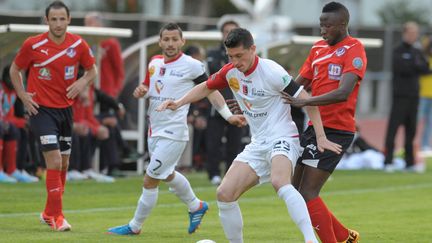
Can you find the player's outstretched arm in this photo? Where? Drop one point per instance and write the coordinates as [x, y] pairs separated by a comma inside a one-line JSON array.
[[315, 117], [30, 105], [218, 101], [197, 93]]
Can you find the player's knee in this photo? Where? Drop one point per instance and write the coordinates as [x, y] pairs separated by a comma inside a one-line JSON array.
[[150, 183], [225, 195], [279, 182]]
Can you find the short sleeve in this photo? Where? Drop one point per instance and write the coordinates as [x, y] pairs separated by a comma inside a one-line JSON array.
[[355, 60], [306, 69], [87, 59], [24, 57], [218, 80]]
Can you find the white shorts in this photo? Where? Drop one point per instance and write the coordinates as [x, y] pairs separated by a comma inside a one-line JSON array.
[[258, 156], [164, 155]]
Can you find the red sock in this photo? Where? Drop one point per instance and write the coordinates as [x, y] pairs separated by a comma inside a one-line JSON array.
[[53, 206], [9, 155], [321, 220], [63, 179], [340, 231]]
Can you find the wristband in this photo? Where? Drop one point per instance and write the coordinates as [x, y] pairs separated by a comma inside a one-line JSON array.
[[225, 112]]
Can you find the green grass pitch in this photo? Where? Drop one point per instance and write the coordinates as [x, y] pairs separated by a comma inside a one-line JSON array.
[[382, 207]]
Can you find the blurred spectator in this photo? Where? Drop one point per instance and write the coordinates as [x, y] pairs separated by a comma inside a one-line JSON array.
[[13, 137], [197, 120], [425, 110], [217, 127], [408, 64], [111, 83]]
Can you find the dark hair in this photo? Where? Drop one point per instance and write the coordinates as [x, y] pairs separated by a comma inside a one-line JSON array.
[[192, 50], [227, 23], [238, 37], [335, 7], [171, 26], [56, 5]]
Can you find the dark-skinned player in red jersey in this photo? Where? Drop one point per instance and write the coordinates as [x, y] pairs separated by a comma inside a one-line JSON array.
[[52, 60], [333, 71]]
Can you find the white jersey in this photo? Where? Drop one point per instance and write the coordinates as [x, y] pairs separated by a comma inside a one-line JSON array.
[[259, 97], [170, 81]]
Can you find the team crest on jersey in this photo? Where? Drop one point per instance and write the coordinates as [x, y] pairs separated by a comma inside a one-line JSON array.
[[70, 52], [69, 72], [44, 73], [357, 63], [151, 70], [340, 51], [334, 71], [247, 104], [234, 84], [245, 89], [159, 86], [162, 71]]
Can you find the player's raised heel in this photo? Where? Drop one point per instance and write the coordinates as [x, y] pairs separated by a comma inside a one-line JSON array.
[[195, 218], [122, 230]]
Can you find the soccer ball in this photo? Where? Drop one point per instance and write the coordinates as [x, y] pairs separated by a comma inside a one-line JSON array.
[[206, 241]]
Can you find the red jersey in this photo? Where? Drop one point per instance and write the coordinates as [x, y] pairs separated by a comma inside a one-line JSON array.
[[325, 66], [53, 67], [111, 68], [84, 113]]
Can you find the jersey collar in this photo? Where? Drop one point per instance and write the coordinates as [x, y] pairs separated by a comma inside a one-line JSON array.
[[254, 65], [175, 58]]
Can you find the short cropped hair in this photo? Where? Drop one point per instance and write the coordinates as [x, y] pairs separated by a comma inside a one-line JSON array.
[[238, 37], [335, 7], [171, 26], [56, 5]]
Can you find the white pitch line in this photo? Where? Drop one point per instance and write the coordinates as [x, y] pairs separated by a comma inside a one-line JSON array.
[[243, 200]]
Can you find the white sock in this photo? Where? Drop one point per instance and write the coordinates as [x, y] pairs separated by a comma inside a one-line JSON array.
[[181, 187], [298, 211], [146, 203], [232, 221]]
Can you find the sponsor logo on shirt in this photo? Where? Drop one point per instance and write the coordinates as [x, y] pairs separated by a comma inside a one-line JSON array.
[[44, 73], [245, 89], [357, 63], [176, 74], [286, 79], [340, 51], [44, 51], [48, 139], [246, 81], [151, 70], [159, 86], [70, 52], [69, 72], [162, 71], [234, 84], [334, 71], [258, 92]]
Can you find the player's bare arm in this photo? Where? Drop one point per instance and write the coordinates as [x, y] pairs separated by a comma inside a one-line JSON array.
[[197, 93], [218, 101], [315, 117], [341, 94], [81, 84], [140, 91], [30, 105]]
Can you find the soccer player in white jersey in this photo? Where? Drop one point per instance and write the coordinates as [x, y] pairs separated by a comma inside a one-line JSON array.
[[274, 149], [169, 77]]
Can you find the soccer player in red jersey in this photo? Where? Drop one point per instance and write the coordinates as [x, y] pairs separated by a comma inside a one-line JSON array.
[[52, 59], [333, 70]]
